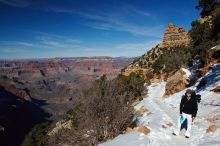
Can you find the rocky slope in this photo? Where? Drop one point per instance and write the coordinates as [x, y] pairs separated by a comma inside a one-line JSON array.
[[164, 61], [150, 64]]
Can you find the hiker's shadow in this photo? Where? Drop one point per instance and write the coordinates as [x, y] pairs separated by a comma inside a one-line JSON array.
[[184, 125]]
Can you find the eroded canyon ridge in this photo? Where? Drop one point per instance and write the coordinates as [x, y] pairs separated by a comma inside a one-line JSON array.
[[32, 91], [175, 36]]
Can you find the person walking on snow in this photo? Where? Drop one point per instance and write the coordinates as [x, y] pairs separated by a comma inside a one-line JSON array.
[[188, 110]]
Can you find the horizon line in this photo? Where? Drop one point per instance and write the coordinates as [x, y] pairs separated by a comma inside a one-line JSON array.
[[48, 58]]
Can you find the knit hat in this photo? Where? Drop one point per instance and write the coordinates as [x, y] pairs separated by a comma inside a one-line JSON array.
[[189, 91]]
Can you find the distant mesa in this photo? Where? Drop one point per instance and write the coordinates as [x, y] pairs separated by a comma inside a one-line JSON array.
[[174, 37]]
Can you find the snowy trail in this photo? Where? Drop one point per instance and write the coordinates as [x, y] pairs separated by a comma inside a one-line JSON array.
[[168, 115], [166, 112], [162, 114]]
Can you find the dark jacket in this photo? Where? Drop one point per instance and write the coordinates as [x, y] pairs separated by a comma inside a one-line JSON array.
[[189, 106]]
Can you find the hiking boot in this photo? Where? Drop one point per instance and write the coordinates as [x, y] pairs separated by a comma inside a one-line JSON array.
[[174, 134]]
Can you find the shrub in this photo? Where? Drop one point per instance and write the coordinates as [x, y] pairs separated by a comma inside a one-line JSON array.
[[102, 112], [37, 136], [205, 35], [172, 60]]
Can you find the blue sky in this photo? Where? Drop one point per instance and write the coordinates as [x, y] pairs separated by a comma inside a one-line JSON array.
[[73, 28]]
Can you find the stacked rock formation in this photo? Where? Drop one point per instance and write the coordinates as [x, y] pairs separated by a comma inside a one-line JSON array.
[[174, 37]]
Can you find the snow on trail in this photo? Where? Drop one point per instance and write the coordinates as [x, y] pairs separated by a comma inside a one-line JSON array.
[[187, 72], [161, 115], [164, 114], [166, 111]]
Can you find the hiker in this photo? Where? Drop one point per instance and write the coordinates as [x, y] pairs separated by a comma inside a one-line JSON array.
[[188, 110]]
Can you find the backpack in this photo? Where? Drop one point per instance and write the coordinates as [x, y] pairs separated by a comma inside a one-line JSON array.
[[198, 98]]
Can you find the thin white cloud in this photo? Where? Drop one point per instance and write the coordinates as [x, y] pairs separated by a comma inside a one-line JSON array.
[[18, 43], [127, 8], [96, 50], [108, 21], [16, 3], [138, 46], [27, 44], [127, 49], [91, 50], [57, 42], [44, 40], [153, 31], [40, 33], [133, 9], [118, 20], [11, 50], [114, 18], [105, 20]]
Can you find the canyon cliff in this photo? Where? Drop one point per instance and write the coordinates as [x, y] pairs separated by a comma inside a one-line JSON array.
[[39, 90]]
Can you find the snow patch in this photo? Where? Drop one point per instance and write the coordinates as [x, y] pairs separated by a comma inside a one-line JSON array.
[[213, 47], [187, 72]]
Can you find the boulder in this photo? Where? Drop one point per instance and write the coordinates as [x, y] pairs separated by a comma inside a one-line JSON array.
[[144, 129], [128, 130], [216, 89], [143, 110], [138, 113], [178, 82], [167, 125], [211, 129]]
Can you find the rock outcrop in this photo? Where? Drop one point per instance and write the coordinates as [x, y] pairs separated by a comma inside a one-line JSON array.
[[14, 88], [174, 37], [176, 83], [60, 125]]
